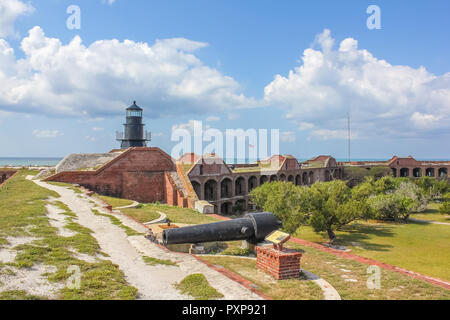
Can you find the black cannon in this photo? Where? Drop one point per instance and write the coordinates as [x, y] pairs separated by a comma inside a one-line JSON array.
[[253, 227]]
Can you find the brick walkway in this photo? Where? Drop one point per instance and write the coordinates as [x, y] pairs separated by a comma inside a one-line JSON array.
[[346, 255]]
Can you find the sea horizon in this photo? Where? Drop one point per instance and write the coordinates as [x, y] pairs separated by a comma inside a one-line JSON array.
[[53, 161]]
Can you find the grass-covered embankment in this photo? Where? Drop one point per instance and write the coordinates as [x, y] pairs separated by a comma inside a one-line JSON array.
[[149, 212], [23, 214]]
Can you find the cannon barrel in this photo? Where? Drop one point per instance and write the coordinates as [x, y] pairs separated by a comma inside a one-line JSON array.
[[253, 227]]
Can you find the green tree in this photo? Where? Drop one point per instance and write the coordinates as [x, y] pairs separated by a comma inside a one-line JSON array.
[[285, 200], [445, 208], [331, 206]]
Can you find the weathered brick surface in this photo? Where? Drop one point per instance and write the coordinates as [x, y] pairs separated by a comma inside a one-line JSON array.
[[138, 174], [5, 175], [280, 264]]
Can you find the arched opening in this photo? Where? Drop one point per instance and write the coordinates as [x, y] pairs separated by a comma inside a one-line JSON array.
[[282, 177], [263, 180], [429, 172], [404, 172], [394, 172], [443, 173], [197, 188], [273, 178], [298, 180], [211, 190], [291, 179], [327, 175], [239, 207], [252, 183], [417, 172], [240, 186], [226, 188], [311, 177], [226, 208], [305, 178]]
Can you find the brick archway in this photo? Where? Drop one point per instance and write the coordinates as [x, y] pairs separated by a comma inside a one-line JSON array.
[[252, 183], [226, 188], [211, 190]]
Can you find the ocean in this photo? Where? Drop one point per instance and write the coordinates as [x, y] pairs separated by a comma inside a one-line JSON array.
[[51, 162], [29, 162]]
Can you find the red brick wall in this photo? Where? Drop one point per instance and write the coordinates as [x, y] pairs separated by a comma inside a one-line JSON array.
[[137, 174], [5, 175], [280, 264], [171, 197]]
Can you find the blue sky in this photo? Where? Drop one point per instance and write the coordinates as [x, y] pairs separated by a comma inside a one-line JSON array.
[[230, 64]]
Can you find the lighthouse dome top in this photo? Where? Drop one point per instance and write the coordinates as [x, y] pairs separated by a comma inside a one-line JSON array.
[[134, 107]]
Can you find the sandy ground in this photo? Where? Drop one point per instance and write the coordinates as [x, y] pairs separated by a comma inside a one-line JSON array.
[[152, 282], [30, 280]]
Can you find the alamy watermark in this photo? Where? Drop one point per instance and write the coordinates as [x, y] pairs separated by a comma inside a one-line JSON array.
[[74, 281], [74, 20], [374, 280], [236, 144], [374, 20]]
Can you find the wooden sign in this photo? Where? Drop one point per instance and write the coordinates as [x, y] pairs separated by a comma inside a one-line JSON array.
[[278, 237]]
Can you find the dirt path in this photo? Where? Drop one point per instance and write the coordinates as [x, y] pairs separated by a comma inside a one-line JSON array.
[[429, 221], [152, 282]]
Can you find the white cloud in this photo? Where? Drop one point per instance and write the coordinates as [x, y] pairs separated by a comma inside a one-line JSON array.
[[233, 116], [326, 134], [110, 2], [191, 126], [288, 136], [212, 118], [10, 10], [46, 133], [383, 99], [98, 129], [103, 78], [425, 121]]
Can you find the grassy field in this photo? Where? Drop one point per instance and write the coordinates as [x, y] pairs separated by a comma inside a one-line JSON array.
[[196, 285], [149, 212], [295, 289], [115, 202], [420, 247], [348, 277], [432, 213], [23, 214]]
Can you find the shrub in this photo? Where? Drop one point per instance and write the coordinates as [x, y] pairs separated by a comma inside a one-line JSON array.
[[284, 200], [445, 208]]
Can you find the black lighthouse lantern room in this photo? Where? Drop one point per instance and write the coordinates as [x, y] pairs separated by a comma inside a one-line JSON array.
[[134, 135]]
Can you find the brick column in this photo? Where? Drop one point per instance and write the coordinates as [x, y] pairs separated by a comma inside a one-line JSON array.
[[280, 264]]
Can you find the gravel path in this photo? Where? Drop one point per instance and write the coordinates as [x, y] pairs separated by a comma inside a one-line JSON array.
[[152, 282], [429, 221]]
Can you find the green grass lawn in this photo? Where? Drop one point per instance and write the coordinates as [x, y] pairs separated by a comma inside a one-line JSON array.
[[196, 285], [23, 214], [432, 213], [294, 289], [420, 247], [115, 202], [348, 277], [149, 212], [338, 272]]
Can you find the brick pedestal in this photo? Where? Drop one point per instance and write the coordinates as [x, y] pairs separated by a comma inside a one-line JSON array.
[[281, 265]]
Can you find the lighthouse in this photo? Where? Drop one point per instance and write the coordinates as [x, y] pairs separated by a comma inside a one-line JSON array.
[[134, 135]]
